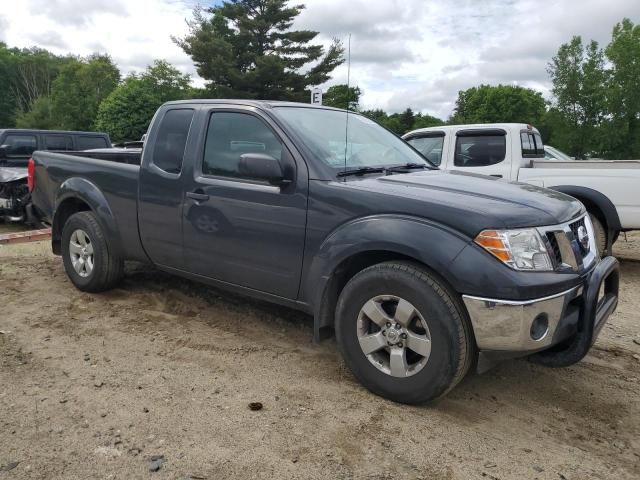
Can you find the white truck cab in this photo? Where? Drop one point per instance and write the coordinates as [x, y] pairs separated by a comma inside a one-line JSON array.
[[515, 152]]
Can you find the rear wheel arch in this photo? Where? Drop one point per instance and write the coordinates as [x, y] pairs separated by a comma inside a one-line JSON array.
[[64, 211], [78, 194]]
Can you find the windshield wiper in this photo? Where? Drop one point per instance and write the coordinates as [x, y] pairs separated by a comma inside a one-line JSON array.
[[407, 166], [361, 171]]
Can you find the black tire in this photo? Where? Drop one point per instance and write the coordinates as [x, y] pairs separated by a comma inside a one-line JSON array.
[[600, 234], [452, 349], [107, 267]]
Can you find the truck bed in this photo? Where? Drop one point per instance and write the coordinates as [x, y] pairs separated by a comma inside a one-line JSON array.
[[131, 156], [618, 180], [118, 184], [589, 164]]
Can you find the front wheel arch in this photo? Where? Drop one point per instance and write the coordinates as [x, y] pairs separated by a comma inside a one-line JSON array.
[[324, 318]]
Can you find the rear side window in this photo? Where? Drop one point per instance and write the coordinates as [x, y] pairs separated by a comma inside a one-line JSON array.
[[479, 150], [86, 142], [539, 145], [532, 145], [20, 145], [528, 144], [58, 142], [172, 139], [429, 146]]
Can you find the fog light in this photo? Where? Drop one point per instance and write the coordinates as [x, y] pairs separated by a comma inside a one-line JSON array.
[[539, 326]]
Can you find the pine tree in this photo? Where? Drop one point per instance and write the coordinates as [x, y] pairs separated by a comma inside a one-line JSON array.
[[247, 49]]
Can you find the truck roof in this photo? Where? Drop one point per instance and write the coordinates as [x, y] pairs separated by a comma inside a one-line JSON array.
[[36, 130], [504, 126], [254, 103]]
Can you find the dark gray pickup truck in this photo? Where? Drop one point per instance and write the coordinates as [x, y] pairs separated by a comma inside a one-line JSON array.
[[420, 273]]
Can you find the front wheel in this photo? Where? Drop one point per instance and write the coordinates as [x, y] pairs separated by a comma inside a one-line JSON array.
[[600, 234], [88, 261], [402, 332]]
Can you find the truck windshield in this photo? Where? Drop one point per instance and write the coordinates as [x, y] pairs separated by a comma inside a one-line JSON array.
[[363, 144]]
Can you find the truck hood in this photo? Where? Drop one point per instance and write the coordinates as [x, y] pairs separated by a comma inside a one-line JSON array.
[[471, 203]]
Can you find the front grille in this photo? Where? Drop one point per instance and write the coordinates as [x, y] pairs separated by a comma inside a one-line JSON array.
[[564, 246], [555, 248], [575, 226]]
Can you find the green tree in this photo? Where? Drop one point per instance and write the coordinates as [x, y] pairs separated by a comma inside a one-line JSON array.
[[8, 103], [79, 89], [407, 118], [423, 120], [401, 123], [125, 114], [622, 135], [38, 117], [26, 75], [579, 78], [246, 48], [34, 74], [342, 96], [167, 81], [498, 104]]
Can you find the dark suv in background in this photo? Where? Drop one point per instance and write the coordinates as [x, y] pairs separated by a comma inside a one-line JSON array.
[[16, 147]]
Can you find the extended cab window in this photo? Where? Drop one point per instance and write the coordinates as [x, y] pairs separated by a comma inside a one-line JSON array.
[[231, 134], [58, 142], [429, 145], [532, 145], [172, 139], [20, 145], [539, 145], [479, 149], [89, 143]]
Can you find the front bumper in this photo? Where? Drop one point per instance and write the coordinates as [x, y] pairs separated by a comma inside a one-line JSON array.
[[576, 315]]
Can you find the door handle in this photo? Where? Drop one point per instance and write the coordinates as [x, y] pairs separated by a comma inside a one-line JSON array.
[[198, 196], [497, 176]]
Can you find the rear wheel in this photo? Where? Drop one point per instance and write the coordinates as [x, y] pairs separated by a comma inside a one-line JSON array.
[[88, 261], [403, 333]]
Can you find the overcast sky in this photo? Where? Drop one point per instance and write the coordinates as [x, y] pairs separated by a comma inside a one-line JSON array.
[[416, 53]]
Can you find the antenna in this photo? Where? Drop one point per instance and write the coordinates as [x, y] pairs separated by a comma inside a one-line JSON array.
[[346, 127]]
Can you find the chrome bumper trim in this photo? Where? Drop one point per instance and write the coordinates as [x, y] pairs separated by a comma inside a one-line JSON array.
[[506, 324]]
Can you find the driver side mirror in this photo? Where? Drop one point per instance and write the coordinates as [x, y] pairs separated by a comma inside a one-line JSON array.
[[261, 166]]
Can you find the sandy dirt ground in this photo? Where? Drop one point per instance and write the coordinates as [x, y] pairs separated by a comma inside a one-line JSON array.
[[158, 375]]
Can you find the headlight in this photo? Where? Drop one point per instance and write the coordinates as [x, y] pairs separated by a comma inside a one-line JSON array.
[[519, 249]]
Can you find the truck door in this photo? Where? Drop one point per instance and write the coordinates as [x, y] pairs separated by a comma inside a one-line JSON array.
[[160, 190], [239, 230], [482, 151]]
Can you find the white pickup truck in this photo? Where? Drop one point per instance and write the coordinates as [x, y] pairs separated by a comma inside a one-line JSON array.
[[609, 189]]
